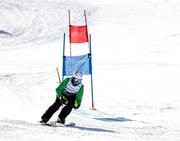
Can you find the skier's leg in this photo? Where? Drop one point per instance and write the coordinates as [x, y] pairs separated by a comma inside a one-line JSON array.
[[64, 113], [67, 109], [51, 110]]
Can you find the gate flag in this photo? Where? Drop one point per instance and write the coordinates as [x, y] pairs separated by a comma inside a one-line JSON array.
[[80, 63], [78, 34]]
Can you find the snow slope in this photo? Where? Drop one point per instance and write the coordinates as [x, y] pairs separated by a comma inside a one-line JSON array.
[[136, 65]]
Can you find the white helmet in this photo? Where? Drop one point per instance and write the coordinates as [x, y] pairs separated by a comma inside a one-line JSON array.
[[77, 75]]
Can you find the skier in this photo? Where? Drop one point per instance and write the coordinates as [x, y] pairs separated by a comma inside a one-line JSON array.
[[69, 93]]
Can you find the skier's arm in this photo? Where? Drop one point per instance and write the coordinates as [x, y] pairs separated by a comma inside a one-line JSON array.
[[79, 97], [60, 88]]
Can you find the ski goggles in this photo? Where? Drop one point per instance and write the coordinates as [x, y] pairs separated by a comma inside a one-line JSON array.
[[76, 80]]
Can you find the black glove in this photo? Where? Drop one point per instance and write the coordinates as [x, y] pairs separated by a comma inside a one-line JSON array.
[[76, 105], [63, 99]]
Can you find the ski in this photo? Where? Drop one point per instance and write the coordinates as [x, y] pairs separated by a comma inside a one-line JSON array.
[[55, 124]]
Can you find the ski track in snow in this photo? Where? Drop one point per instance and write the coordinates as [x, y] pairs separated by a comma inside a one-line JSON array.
[[26, 130]]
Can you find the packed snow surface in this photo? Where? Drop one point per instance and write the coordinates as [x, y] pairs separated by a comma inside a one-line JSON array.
[[136, 69]]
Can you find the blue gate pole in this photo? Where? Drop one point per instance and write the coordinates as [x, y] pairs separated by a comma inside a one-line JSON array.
[[92, 96], [63, 61]]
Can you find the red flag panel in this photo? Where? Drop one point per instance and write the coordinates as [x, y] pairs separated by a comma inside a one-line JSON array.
[[78, 34]]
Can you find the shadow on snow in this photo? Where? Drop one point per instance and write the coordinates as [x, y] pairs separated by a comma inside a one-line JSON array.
[[114, 119], [95, 129]]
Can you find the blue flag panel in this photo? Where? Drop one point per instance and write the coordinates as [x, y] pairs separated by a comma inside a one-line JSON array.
[[77, 63]]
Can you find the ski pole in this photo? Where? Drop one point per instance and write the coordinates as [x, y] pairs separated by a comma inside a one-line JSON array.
[[58, 74]]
